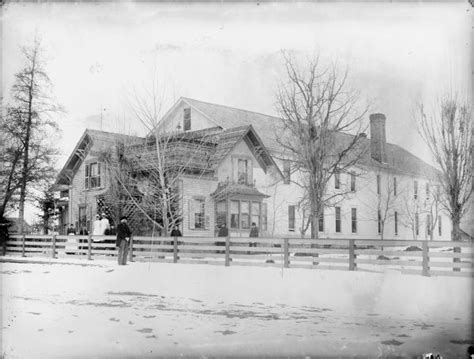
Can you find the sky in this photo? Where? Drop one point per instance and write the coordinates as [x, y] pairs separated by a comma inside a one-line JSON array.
[[98, 55]]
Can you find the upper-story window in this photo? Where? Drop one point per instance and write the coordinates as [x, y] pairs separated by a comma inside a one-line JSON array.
[[427, 190], [242, 171], [415, 189], [379, 185], [187, 119], [353, 182], [286, 172], [337, 180], [394, 186], [93, 175], [338, 219]]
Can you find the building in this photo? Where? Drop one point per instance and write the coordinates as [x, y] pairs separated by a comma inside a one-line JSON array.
[[232, 171]]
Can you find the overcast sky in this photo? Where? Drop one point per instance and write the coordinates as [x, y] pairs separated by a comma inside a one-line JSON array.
[[229, 54]]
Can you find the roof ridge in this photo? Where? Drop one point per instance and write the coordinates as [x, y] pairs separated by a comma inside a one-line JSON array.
[[231, 107], [111, 133]]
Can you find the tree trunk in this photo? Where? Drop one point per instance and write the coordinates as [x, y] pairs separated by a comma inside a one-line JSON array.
[[24, 172], [456, 231]]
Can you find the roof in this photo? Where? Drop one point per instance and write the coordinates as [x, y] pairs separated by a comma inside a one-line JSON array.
[[229, 117], [228, 190], [80, 151], [205, 149], [269, 127]]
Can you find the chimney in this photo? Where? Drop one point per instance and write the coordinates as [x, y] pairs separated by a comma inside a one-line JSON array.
[[377, 137]]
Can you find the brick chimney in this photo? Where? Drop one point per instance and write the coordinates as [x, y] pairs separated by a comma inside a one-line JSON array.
[[378, 141]]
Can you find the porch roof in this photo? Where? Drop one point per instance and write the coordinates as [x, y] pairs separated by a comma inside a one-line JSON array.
[[235, 190]]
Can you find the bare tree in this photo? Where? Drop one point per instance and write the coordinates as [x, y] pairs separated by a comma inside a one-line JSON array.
[[383, 200], [432, 208], [321, 127], [147, 173], [27, 123], [448, 134], [411, 212]]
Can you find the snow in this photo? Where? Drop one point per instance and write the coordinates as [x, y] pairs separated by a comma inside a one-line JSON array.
[[76, 308]]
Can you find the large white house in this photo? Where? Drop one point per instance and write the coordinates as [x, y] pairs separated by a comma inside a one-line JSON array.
[[244, 179]]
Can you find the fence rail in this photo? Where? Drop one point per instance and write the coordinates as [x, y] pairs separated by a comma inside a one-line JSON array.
[[428, 258]]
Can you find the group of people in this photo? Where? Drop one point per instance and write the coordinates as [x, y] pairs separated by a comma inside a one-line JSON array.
[[101, 225]]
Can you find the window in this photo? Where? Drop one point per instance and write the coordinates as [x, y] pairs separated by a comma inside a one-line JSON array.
[[353, 182], [337, 180], [291, 218], [415, 189], [256, 213], [417, 224], [440, 232], [264, 216], [93, 175], [394, 186], [354, 220], [379, 222], [286, 172], [234, 214], [378, 184], [197, 217], [427, 189], [321, 221], [187, 119], [244, 214], [338, 219], [396, 223], [242, 173], [221, 213]]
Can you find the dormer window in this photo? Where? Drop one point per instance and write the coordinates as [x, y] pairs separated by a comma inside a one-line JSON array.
[[187, 119]]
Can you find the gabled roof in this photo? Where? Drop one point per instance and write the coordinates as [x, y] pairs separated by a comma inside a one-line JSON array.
[[229, 117], [88, 138], [269, 127], [207, 148]]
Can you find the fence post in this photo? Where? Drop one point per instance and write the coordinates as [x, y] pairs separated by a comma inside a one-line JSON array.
[[89, 247], [456, 260], [227, 251], [175, 250], [54, 246], [352, 256], [286, 253], [130, 250], [424, 246], [23, 246]]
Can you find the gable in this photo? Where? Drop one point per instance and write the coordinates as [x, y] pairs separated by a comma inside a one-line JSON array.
[[173, 120], [90, 140]]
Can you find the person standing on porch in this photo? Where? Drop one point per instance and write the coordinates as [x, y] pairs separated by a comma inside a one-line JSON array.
[[253, 234], [123, 239]]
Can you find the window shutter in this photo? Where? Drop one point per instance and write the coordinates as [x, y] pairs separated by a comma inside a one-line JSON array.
[[87, 171], [250, 172], [191, 214], [235, 169]]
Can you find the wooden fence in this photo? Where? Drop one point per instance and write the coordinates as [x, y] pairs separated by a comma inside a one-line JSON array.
[[427, 258]]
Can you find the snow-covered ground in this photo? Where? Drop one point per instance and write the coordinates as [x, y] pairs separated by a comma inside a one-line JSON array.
[[98, 309]]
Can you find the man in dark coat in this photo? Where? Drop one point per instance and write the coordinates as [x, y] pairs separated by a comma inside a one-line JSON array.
[[4, 224], [176, 232], [123, 239], [253, 233]]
